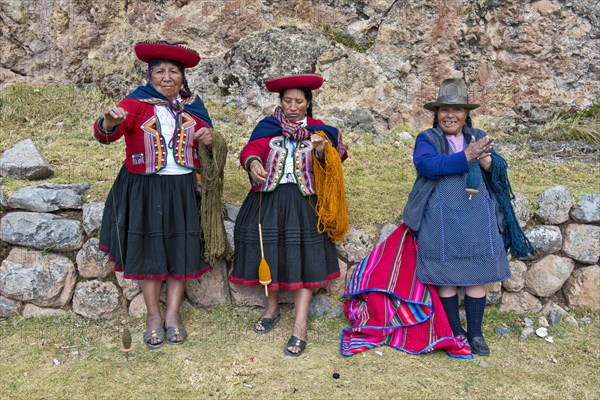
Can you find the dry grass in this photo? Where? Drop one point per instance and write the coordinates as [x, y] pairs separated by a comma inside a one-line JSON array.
[[224, 358], [378, 174]]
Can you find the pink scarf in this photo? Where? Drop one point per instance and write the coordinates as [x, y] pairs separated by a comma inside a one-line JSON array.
[[291, 130]]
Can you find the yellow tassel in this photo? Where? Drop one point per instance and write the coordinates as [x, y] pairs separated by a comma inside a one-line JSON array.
[[332, 209]]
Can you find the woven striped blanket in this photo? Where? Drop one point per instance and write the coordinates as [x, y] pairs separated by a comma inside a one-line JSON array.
[[388, 305]]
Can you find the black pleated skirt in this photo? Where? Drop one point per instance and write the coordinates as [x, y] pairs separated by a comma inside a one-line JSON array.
[[151, 227], [298, 256]]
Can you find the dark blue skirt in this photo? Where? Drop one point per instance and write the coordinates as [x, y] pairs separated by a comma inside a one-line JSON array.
[[151, 227], [298, 256]]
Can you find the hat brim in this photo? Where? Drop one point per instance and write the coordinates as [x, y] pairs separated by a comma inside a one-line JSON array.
[[434, 105], [150, 51], [309, 81]]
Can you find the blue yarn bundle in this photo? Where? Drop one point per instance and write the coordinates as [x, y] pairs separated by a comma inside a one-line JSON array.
[[473, 178], [513, 236]]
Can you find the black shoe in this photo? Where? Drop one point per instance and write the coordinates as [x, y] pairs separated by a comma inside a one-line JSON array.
[[479, 346]]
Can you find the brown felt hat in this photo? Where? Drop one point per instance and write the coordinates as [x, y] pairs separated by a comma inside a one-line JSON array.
[[453, 92]]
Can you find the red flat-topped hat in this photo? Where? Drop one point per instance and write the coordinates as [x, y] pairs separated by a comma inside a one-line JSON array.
[[147, 51], [309, 81]]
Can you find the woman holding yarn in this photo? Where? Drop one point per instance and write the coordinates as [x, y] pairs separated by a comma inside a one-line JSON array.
[[151, 226], [288, 158], [460, 211]]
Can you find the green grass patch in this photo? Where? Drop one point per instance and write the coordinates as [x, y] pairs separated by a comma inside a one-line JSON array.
[[346, 40], [378, 174]]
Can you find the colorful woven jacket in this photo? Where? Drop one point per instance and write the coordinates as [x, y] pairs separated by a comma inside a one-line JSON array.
[[269, 148], [145, 145]]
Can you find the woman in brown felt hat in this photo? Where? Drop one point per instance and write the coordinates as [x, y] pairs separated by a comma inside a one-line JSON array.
[[283, 157], [462, 238], [150, 226]]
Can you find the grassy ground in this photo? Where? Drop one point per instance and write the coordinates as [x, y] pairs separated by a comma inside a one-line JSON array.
[[224, 358], [378, 174]]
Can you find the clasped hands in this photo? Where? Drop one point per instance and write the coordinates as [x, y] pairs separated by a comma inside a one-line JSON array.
[[481, 150]]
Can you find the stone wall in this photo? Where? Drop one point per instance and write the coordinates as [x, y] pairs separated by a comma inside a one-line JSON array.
[[382, 60], [51, 263]]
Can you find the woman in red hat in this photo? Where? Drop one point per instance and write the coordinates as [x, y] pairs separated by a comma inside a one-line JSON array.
[[280, 159], [151, 226]]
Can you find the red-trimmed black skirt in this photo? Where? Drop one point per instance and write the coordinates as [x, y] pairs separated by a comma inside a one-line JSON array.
[[298, 256], [151, 227]]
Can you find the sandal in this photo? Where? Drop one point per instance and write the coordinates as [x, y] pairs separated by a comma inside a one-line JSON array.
[[173, 331], [267, 324], [158, 333], [294, 341]]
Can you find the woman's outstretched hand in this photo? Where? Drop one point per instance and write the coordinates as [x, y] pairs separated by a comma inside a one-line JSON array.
[[113, 117], [257, 172]]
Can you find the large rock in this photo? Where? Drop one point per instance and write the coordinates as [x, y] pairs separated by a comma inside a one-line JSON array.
[[238, 75], [587, 209], [41, 231], [92, 217], [46, 280], [232, 211], [137, 307], [554, 205], [210, 289], [547, 276], [31, 310], [24, 161], [516, 282], [581, 289], [545, 239], [320, 306], [48, 197], [582, 243], [356, 246], [247, 296], [494, 292], [520, 302], [522, 209], [229, 227], [130, 287], [255, 295], [3, 204], [9, 307], [91, 262], [339, 285], [97, 300], [386, 231]]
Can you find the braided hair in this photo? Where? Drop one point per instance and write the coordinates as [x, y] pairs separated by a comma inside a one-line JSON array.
[[185, 89]]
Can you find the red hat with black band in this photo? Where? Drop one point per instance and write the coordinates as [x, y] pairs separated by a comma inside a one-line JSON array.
[[148, 51], [309, 81]]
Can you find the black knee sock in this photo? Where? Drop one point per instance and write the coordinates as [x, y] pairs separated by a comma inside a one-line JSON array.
[[474, 307], [451, 307]]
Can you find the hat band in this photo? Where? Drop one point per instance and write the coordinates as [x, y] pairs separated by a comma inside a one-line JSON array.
[[452, 99]]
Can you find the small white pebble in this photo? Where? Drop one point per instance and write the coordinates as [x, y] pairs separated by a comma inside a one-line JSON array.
[[379, 353], [56, 362], [541, 332]]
